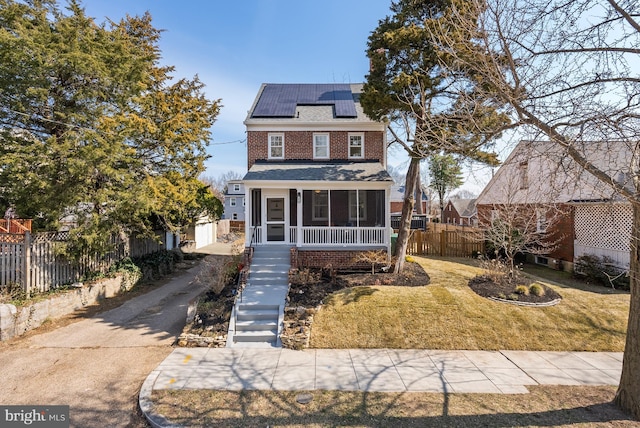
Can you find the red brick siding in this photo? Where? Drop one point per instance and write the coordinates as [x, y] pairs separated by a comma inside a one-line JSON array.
[[298, 145], [396, 207], [562, 230], [325, 258], [451, 217]]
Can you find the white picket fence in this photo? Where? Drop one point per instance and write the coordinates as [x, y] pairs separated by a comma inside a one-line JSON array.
[[35, 262]]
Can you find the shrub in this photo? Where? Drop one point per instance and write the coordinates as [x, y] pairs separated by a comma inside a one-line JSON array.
[[536, 289], [218, 272], [522, 289], [513, 296], [601, 270]]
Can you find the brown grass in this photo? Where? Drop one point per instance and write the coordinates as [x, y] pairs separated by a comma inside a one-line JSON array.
[[544, 406], [447, 314]]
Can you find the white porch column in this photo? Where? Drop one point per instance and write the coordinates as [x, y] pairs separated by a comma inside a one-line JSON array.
[[248, 216], [299, 198]]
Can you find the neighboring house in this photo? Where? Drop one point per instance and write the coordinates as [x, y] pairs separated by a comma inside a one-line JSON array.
[[397, 200], [234, 201], [317, 179], [591, 217], [462, 212]]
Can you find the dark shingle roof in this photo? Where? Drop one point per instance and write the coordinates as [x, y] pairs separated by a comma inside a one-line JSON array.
[[308, 171]]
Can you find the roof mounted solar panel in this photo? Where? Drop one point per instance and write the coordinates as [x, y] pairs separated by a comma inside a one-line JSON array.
[[281, 100]]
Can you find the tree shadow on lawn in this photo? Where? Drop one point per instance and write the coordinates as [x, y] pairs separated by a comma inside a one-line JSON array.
[[340, 408]]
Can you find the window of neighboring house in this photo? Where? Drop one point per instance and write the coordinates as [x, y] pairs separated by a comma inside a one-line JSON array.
[[523, 171], [243, 202], [276, 146], [320, 204], [357, 205], [356, 146], [232, 202], [541, 221], [236, 187], [320, 146], [495, 215], [234, 216], [449, 207]]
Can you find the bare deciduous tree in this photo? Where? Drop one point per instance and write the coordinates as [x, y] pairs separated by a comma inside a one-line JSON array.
[[567, 72]]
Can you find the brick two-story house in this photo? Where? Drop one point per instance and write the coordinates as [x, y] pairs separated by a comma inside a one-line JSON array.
[[317, 179]]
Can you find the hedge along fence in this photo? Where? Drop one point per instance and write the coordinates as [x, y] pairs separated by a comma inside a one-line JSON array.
[[468, 242], [35, 263]]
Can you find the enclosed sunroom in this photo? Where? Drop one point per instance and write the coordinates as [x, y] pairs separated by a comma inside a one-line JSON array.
[[325, 211]]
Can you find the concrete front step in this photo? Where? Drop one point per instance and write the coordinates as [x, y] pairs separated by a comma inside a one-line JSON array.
[[270, 336], [257, 312], [257, 325]]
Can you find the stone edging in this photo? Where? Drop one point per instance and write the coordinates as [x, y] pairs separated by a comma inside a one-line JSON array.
[[527, 304]]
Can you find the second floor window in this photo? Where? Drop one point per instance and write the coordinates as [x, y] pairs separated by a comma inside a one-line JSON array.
[[320, 146], [232, 202], [356, 146], [276, 146]]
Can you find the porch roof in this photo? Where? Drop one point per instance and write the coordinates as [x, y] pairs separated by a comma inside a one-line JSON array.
[[314, 171]]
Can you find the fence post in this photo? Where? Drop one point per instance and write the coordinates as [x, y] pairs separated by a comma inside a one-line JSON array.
[[26, 264], [443, 242]]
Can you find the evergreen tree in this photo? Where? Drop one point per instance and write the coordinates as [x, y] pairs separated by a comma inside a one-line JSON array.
[[92, 126], [425, 105]]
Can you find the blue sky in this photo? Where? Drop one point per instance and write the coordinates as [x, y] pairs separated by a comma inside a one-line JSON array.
[[235, 46]]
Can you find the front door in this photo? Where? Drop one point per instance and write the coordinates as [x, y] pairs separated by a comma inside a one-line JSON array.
[[276, 219]]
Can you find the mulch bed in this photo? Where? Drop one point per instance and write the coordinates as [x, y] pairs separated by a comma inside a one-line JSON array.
[[310, 287], [486, 287]]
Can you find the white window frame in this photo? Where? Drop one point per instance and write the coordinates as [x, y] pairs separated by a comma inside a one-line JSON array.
[[317, 202], [357, 203], [276, 138], [232, 202], [523, 172], [541, 221], [317, 146], [360, 136], [236, 187], [243, 204]]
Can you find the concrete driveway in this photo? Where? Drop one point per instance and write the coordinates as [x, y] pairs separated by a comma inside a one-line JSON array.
[[97, 365]]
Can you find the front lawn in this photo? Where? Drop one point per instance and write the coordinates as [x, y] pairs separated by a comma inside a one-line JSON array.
[[447, 314]]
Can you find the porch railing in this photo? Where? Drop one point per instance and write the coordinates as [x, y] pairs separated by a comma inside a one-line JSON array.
[[328, 236], [343, 235]]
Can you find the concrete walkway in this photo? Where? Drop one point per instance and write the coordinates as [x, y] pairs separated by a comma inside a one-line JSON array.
[[385, 370]]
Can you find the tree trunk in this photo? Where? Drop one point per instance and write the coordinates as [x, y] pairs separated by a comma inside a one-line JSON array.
[[407, 211], [418, 193], [628, 394]]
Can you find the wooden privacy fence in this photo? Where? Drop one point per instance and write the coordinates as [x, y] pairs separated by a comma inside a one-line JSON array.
[[36, 264], [449, 243]]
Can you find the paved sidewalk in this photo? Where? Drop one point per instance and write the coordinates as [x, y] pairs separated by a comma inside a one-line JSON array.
[[385, 370]]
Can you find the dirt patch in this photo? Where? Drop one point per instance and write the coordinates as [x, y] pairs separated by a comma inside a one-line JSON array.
[[521, 291]]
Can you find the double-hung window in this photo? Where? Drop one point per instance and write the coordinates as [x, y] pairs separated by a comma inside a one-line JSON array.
[[276, 146], [232, 202], [236, 188], [356, 146], [320, 146]]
